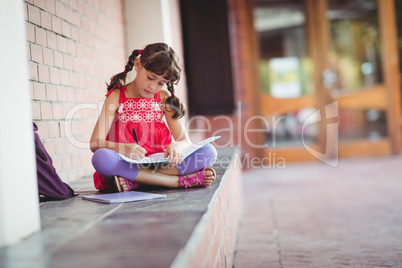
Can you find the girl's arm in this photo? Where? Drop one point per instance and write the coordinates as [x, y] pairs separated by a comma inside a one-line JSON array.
[[174, 151], [102, 127]]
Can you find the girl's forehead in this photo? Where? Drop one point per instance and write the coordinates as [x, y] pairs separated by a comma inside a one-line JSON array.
[[163, 76]]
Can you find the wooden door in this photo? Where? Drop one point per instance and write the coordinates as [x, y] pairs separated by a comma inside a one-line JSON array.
[[343, 55]]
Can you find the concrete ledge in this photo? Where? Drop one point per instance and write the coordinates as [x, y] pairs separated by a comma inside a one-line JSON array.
[[193, 227], [212, 243]]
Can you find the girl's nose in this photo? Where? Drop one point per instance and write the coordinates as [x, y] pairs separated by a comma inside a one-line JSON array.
[[152, 86]]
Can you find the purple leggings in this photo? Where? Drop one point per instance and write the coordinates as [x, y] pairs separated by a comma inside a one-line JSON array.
[[108, 163]]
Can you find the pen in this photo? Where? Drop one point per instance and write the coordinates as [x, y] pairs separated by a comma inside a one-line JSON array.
[[135, 136]]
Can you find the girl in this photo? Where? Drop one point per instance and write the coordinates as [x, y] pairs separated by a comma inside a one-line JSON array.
[[135, 111]]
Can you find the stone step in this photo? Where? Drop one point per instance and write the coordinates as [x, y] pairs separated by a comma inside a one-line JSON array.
[[195, 227]]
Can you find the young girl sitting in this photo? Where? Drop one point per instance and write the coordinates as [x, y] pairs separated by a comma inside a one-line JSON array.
[[135, 111]]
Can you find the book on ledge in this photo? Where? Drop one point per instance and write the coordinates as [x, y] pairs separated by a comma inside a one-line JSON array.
[[160, 157], [123, 197]]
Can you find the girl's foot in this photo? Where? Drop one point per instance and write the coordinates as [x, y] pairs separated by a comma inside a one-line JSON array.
[[124, 185], [204, 177]]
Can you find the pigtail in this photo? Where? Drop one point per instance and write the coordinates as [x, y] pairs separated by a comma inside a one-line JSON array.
[[174, 103], [119, 79]]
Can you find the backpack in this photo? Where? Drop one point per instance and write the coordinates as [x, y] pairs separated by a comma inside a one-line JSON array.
[[50, 186]]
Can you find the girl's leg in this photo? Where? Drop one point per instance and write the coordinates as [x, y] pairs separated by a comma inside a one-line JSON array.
[[168, 175], [109, 164], [203, 157]]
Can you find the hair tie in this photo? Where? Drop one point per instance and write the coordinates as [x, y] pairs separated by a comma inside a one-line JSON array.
[[140, 51], [172, 93], [125, 71]]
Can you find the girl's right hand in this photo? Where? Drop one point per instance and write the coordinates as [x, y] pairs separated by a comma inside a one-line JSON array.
[[134, 151]]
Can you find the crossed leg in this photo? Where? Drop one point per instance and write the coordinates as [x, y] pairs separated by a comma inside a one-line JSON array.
[[165, 176]]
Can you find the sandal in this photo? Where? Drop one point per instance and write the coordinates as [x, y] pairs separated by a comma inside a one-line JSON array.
[[131, 186], [198, 178]]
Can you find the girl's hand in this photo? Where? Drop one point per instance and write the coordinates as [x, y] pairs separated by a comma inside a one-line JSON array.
[[174, 153], [134, 151]]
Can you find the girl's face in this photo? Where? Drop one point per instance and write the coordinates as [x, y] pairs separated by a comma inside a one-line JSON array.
[[147, 82]]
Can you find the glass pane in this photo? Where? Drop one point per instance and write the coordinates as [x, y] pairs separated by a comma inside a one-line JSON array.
[[355, 59], [285, 69], [369, 124], [293, 129]]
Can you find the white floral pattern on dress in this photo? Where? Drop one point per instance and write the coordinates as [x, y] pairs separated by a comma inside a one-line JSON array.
[[137, 110]]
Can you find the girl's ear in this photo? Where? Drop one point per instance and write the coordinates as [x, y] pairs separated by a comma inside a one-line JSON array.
[[137, 64]]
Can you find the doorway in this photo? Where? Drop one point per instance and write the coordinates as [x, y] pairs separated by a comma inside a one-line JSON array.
[[330, 81]]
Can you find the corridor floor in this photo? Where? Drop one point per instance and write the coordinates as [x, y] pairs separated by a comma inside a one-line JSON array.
[[315, 215]]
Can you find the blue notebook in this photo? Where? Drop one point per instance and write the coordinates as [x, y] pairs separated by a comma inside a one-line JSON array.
[[123, 197]]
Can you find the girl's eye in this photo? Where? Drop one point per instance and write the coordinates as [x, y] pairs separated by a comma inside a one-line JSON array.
[[150, 78]]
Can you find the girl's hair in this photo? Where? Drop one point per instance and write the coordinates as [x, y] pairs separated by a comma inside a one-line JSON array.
[[160, 59]]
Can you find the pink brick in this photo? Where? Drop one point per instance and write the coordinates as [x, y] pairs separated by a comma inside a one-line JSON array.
[[46, 20], [74, 79], [46, 110], [75, 33], [56, 24], [57, 109], [71, 47], [62, 44], [34, 14], [64, 77], [54, 76], [60, 146], [43, 74], [40, 36], [68, 62], [63, 125], [30, 32], [29, 51], [54, 131], [51, 40], [51, 149], [58, 59], [43, 129], [36, 53], [65, 29], [61, 9], [33, 71], [31, 90], [40, 3], [36, 111], [61, 93], [67, 163], [50, 6], [73, 4], [39, 91], [70, 95], [48, 56], [51, 92]]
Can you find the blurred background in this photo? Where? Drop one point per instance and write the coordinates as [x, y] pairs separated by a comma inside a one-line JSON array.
[[259, 73]]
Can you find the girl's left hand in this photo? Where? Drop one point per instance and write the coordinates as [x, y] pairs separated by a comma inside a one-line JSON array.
[[175, 154]]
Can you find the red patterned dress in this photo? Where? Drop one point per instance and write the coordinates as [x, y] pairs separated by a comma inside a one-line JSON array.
[[145, 116]]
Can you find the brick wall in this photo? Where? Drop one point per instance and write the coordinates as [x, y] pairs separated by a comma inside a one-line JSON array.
[[74, 47]]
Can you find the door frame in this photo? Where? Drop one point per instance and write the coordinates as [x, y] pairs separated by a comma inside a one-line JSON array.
[[385, 96]]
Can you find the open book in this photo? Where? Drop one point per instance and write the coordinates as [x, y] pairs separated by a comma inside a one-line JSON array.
[[160, 157]]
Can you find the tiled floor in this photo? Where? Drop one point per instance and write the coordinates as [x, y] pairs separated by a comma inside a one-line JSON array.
[[314, 215]]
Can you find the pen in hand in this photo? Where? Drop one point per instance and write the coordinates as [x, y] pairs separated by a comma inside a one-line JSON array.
[[135, 136]]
